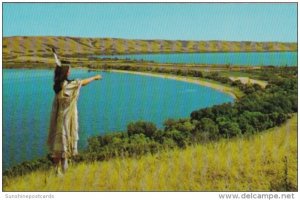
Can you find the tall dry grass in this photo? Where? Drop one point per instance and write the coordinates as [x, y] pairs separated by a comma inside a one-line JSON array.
[[264, 162]]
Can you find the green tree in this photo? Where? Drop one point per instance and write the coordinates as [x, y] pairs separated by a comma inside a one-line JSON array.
[[258, 120], [141, 127], [209, 127], [244, 125], [229, 129], [178, 137]]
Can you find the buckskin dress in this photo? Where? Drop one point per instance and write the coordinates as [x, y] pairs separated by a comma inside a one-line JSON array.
[[63, 130]]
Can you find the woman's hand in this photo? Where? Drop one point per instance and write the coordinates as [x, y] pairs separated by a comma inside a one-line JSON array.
[[88, 80], [98, 77]]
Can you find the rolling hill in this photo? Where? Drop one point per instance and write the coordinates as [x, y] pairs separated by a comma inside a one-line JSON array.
[[22, 49]]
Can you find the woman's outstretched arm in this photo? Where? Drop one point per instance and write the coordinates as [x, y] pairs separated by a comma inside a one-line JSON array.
[[91, 79]]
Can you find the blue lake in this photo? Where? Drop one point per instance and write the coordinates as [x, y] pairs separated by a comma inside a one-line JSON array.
[[243, 58], [104, 106]]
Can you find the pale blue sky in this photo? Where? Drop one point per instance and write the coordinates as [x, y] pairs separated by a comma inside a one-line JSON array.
[[185, 21]]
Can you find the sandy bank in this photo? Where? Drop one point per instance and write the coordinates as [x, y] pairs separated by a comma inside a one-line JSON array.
[[225, 89]]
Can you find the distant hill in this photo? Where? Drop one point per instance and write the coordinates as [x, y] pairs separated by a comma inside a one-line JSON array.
[[38, 49]]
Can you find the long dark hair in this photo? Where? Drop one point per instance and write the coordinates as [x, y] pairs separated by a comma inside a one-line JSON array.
[[60, 75]]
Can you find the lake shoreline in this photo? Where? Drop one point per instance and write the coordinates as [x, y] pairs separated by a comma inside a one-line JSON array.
[[227, 90], [207, 83]]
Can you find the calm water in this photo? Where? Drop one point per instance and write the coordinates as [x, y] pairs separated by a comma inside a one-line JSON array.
[[252, 58], [104, 106]]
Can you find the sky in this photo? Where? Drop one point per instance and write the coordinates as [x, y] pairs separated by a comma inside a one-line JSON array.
[[175, 21]]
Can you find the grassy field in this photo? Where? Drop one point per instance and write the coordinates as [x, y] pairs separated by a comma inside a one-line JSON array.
[[263, 162]]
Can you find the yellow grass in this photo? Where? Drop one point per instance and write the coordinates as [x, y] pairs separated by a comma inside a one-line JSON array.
[[256, 163], [41, 46]]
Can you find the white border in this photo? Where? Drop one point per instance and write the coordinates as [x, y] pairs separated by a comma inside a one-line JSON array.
[[134, 195]]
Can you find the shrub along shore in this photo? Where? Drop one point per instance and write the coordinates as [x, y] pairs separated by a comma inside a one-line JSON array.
[[256, 109]]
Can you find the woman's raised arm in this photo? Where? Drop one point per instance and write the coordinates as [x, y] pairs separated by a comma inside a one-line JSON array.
[[91, 79]]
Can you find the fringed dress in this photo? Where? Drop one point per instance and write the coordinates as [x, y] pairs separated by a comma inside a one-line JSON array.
[[63, 130]]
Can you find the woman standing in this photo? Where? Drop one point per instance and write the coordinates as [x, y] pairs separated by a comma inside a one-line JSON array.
[[63, 131]]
